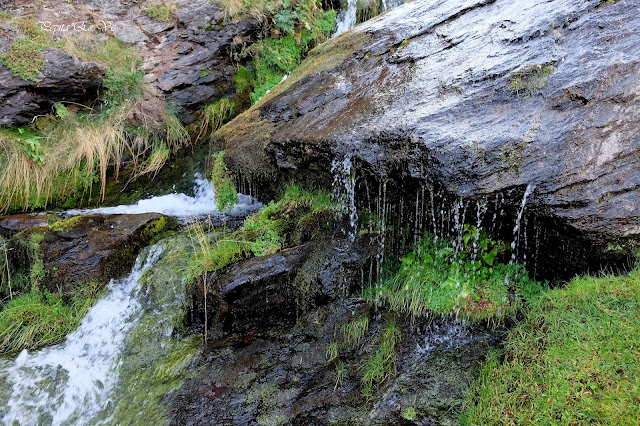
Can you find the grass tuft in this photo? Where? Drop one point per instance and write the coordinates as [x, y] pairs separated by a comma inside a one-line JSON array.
[[381, 364]]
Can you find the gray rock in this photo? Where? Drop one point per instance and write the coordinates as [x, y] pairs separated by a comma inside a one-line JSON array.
[[474, 99], [128, 32], [64, 78]]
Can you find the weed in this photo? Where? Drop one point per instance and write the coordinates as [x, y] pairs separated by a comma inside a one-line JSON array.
[[439, 278], [162, 13], [340, 372], [354, 331], [332, 351], [408, 413], [573, 359], [381, 364], [530, 79], [24, 57]]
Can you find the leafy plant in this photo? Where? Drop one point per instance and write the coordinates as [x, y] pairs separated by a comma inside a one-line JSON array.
[[444, 277], [61, 111], [32, 148]]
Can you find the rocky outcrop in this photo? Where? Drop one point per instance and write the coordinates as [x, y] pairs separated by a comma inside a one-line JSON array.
[[11, 225], [187, 58], [456, 108], [64, 79], [84, 248]]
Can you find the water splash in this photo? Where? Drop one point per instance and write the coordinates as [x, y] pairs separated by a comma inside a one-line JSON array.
[[73, 380], [199, 204]]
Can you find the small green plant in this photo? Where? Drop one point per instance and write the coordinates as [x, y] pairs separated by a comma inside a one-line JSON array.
[[32, 148], [162, 13], [354, 331], [530, 80], [409, 413], [381, 364], [61, 111], [340, 372], [204, 73], [467, 282], [332, 351], [24, 57], [226, 195]]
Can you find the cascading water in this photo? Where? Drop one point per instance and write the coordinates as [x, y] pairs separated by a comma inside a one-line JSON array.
[[516, 228], [347, 19], [73, 380], [179, 205]]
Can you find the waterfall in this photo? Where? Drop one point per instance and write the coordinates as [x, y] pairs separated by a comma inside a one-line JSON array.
[[346, 19], [516, 228], [74, 380], [179, 205], [344, 188]]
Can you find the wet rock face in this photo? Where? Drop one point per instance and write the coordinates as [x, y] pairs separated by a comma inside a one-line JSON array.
[[474, 99], [188, 58], [11, 225], [64, 79], [87, 248]]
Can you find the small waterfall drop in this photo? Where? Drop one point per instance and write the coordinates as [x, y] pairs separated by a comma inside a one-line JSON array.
[[346, 19], [344, 188], [516, 228], [179, 205], [73, 380]]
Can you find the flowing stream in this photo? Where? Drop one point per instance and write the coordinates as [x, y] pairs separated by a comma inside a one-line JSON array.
[[70, 383], [199, 204], [347, 19]]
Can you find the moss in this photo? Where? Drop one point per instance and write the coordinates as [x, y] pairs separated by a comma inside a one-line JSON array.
[[162, 13], [530, 79], [155, 229], [510, 156]]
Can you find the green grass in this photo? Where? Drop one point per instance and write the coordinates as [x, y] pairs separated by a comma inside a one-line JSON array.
[[37, 319], [354, 331], [574, 359], [162, 13], [469, 283], [381, 364]]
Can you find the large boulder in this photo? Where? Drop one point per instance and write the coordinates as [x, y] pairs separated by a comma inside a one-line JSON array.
[[83, 249], [488, 107]]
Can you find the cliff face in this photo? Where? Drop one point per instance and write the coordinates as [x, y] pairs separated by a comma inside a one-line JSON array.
[[472, 100]]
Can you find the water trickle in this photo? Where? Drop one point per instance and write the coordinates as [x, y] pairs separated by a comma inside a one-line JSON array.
[[516, 228], [75, 379], [344, 189], [346, 19]]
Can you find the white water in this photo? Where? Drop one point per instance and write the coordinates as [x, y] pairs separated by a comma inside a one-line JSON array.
[[179, 205], [71, 382], [347, 19], [344, 189]]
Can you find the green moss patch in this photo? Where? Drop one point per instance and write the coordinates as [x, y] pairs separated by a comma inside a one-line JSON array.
[[575, 359], [24, 57]]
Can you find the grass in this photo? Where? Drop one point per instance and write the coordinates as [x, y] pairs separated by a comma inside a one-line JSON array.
[[354, 331], [574, 359], [133, 122], [37, 319], [24, 57], [162, 13], [279, 224], [467, 283], [381, 364]]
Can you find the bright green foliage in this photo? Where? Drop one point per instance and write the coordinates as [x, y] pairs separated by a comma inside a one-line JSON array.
[[298, 27], [24, 57], [435, 277], [573, 360], [61, 111], [37, 319], [409, 413], [122, 85], [215, 114], [226, 195], [381, 364], [33, 150]]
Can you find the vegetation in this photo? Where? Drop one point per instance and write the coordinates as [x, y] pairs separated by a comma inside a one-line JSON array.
[[354, 331], [293, 29], [381, 364], [573, 359], [132, 122], [162, 13], [39, 318], [443, 277], [226, 195], [279, 224], [24, 57], [529, 80]]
